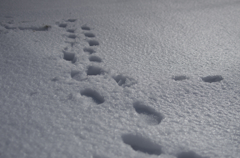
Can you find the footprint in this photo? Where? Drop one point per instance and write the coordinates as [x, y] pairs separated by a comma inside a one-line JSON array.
[[89, 34], [94, 70], [42, 28], [70, 30], [141, 144], [72, 20], [124, 81], [97, 98], [148, 114], [93, 43], [210, 79], [89, 50], [63, 25], [189, 154], [85, 27], [72, 36], [95, 59], [69, 56], [78, 75], [180, 77]]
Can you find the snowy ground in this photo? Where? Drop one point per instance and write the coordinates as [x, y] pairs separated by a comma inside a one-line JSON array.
[[119, 78]]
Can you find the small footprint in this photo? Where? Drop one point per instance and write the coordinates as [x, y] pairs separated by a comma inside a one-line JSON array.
[[72, 20], [63, 25], [78, 75], [70, 30], [89, 34], [89, 50], [94, 70], [42, 28], [69, 56], [148, 114], [189, 154], [85, 27], [93, 43], [210, 79], [124, 81], [141, 144], [72, 36], [95, 59], [180, 77], [97, 98]]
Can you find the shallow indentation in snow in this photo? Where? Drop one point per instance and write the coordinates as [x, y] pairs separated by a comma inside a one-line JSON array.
[[141, 144], [95, 59], [180, 77], [148, 114], [124, 81], [210, 79], [85, 27], [78, 75], [93, 43], [89, 34], [89, 50], [33, 28], [189, 154], [97, 98], [94, 70]]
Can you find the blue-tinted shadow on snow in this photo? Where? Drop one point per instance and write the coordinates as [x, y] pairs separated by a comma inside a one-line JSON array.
[[189, 154], [141, 144], [97, 98], [210, 79]]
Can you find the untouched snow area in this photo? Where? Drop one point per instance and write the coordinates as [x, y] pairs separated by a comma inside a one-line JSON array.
[[119, 78]]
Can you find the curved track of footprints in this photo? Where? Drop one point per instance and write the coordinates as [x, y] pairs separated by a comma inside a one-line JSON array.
[[148, 115]]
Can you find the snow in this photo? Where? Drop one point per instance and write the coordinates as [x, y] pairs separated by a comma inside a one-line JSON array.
[[119, 78]]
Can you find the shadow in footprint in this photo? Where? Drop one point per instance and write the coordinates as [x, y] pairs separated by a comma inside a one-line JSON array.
[[72, 20], [89, 34], [189, 154], [72, 36], [89, 50], [148, 114], [210, 79], [69, 56], [93, 43], [41, 28], [124, 81], [71, 30], [85, 27], [97, 98], [138, 143], [95, 59], [94, 70], [63, 25], [180, 78]]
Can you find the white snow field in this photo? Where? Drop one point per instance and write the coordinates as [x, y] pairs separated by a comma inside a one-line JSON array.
[[119, 78]]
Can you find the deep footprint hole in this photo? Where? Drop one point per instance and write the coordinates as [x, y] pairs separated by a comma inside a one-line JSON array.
[[93, 43], [97, 98], [141, 144], [151, 116], [94, 70], [72, 20], [71, 30], [210, 79], [124, 81], [69, 56], [72, 36], [95, 59], [89, 34]]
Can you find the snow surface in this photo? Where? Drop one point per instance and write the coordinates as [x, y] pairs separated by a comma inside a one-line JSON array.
[[119, 78]]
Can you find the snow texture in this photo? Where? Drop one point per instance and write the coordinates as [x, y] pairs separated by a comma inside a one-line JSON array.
[[119, 78]]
